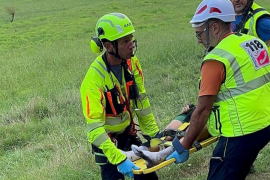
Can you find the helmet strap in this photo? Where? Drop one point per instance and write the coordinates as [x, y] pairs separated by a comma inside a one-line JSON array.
[[115, 45], [135, 42], [207, 39], [116, 55]]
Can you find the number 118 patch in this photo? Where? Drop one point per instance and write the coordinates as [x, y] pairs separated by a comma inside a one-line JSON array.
[[257, 53]]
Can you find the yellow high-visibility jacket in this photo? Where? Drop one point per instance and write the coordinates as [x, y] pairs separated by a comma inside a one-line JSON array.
[[243, 97], [95, 85]]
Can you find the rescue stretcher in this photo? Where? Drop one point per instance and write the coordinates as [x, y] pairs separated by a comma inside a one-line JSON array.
[[141, 163]]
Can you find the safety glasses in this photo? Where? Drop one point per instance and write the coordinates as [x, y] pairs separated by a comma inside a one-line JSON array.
[[199, 34]]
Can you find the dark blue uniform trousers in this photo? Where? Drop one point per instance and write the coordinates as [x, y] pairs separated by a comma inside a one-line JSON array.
[[233, 157]]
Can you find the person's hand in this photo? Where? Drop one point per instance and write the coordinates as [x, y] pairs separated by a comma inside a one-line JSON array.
[[179, 158], [185, 109], [180, 154], [126, 168]]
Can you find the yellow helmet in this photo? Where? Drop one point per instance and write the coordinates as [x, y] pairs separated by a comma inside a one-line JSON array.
[[111, 27]]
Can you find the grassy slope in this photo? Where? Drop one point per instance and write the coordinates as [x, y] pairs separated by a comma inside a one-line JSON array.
[[44, 56]]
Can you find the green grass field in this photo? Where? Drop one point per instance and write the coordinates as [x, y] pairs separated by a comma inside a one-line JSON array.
[[44, 55]]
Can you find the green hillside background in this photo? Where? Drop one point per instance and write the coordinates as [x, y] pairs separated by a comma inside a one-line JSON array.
[[44, 55]]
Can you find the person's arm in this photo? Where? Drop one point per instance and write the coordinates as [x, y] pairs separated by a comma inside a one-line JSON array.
[[179, 120], [93, 102], [212, 76], [198, 120], [145, 115], [263, 29]]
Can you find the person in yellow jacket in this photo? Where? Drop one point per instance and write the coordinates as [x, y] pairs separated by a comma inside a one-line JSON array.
[[235, 75], [113, 94], [251, 19]]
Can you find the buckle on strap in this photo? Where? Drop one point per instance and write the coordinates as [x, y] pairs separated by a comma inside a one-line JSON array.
[[197, 145], [173, 133]]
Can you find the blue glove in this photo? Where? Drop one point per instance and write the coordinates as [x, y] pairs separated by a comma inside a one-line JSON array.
[[126, 168], [180, 154], [159, 135]]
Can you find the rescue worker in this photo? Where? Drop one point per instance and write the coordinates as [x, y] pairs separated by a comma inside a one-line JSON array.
[[157, 152], [235, 75], [252, 19], [113, 94]]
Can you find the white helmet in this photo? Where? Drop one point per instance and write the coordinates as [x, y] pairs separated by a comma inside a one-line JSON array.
[[219, 9]]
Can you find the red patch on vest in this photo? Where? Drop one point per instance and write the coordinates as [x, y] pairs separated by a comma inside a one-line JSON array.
[[263, 58]]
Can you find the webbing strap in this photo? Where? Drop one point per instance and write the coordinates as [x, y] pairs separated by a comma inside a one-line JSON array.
[[173, 133], [197, 145], [180, 134], [240, 26]]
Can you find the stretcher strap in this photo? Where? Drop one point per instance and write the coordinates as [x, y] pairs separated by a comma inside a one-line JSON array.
[[173, 133], [179, 134], [197, 145]]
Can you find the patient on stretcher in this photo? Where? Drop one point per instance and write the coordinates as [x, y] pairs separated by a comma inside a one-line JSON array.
[[153, 157], [157, 151]]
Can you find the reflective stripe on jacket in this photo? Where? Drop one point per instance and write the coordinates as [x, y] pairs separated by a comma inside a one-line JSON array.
[[93, 90], [244, 96]]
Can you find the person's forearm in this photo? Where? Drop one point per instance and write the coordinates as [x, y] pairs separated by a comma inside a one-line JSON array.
[[198, 120], [197, 123]]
